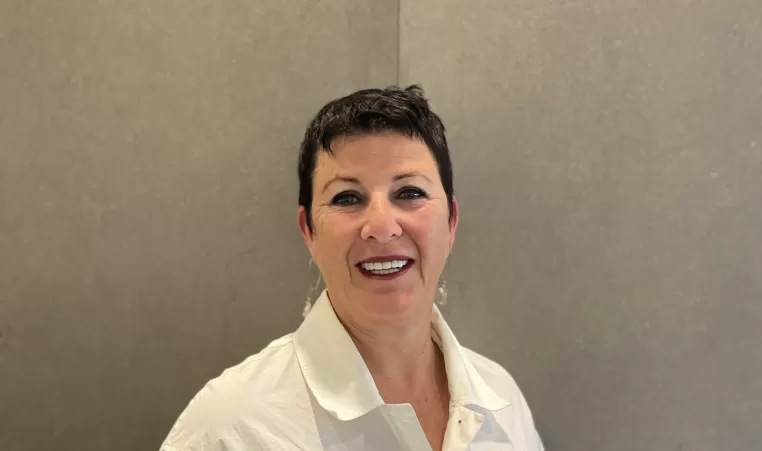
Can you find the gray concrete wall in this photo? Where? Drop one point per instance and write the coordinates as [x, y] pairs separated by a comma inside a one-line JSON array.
[[148, 231], [608, 161]]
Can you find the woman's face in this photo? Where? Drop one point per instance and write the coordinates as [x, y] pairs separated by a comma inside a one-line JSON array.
[[381, 234]]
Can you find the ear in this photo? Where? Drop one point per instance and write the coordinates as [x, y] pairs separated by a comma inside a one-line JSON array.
[[453, 221], [307, 235]]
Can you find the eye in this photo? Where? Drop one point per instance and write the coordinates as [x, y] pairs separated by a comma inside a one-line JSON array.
[[411, 193], [346, 199]]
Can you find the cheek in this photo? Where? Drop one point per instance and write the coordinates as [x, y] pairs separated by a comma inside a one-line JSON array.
[[431, 233], [333, 237]]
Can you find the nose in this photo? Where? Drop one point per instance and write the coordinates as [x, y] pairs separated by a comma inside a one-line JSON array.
[[380, 221]]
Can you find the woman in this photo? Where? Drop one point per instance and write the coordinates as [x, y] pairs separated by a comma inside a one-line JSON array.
[[373, 366]]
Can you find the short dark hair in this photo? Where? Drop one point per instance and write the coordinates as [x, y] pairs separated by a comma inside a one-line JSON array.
[[368, 112]]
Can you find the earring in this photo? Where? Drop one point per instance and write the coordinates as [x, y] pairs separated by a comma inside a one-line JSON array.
[[311, 292], [441, 296]]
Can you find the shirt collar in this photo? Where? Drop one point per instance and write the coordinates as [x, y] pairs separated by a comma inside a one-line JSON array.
[[341, 383]]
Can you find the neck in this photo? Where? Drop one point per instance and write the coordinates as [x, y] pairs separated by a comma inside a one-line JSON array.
[[404, 361]]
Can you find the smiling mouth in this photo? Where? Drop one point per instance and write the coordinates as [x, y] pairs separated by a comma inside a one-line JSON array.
[[384, 269]]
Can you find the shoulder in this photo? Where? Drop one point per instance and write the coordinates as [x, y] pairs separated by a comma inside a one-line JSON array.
[[227, 413]]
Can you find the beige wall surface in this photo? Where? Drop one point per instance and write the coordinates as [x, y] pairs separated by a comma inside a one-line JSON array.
[[608, 161]]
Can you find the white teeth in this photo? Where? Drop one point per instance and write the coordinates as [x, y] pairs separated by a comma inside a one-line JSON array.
[[385, 267]]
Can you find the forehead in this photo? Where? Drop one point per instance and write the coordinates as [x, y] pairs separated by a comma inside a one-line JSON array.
[[382, 153]]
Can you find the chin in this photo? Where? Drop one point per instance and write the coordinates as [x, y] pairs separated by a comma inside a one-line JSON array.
[[389, 301]]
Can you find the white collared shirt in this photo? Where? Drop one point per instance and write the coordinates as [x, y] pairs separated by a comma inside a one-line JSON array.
[[311, 390]]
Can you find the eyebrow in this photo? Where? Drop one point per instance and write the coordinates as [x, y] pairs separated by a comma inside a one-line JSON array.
[[407, 175], [355, 181], [352, 180]]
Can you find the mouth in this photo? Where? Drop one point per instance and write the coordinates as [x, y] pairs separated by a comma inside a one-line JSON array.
[[385, 267]]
